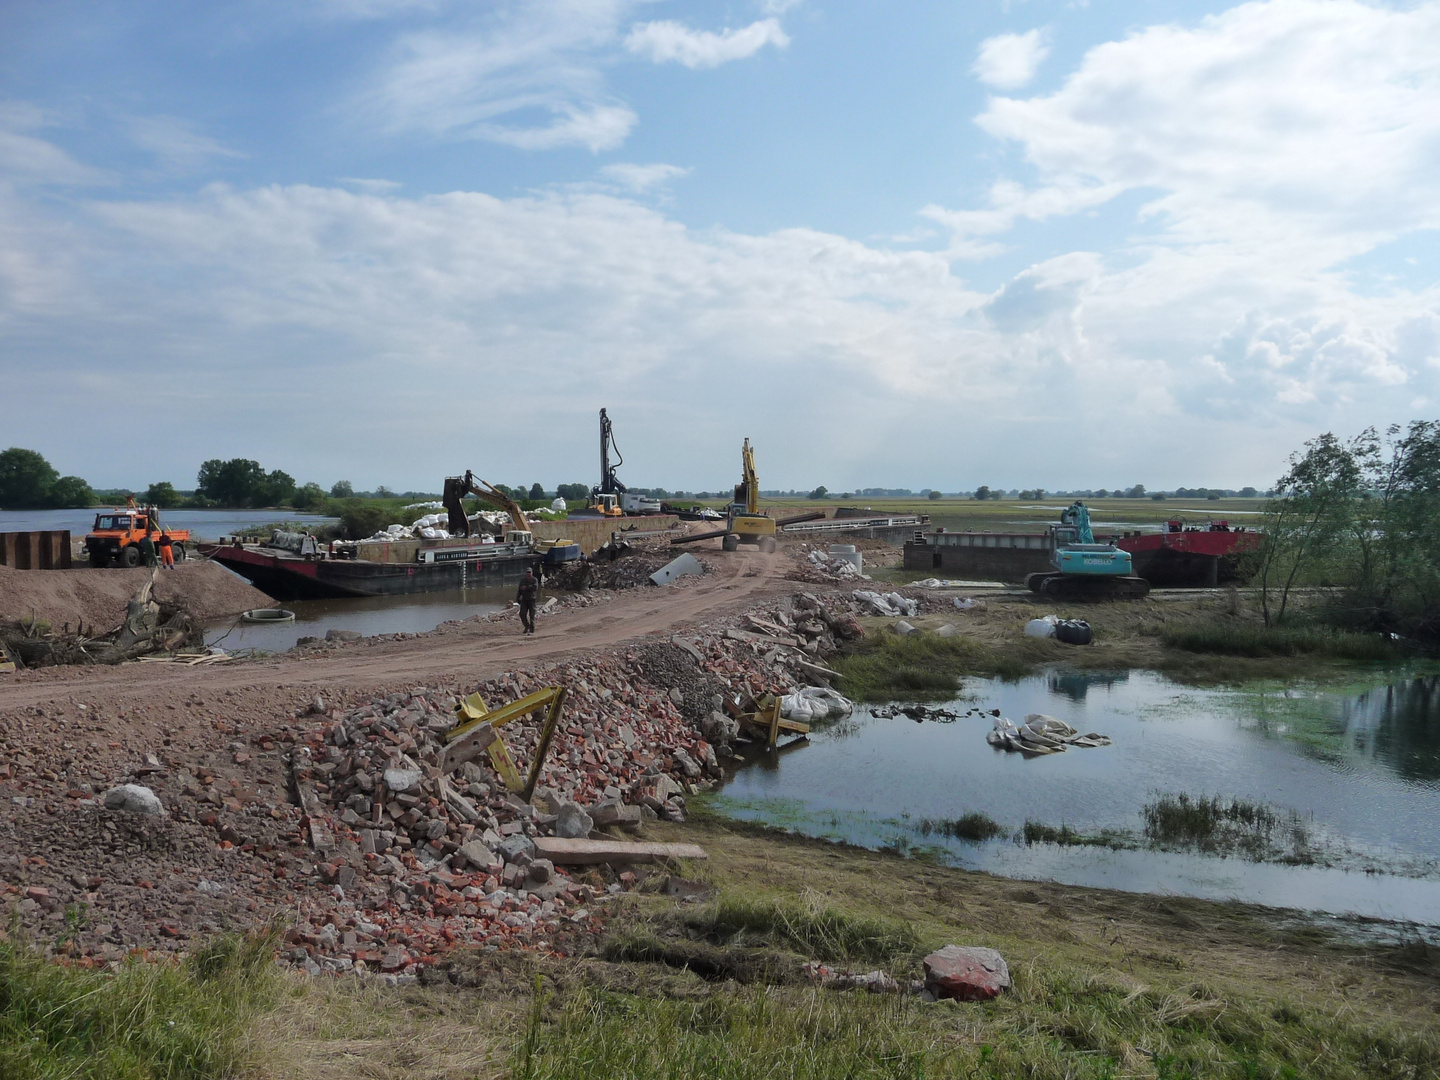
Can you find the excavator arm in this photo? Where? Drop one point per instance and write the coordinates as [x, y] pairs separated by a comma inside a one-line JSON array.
[[457, 487], [749, 481]]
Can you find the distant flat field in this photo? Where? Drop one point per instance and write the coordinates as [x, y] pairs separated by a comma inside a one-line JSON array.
[[1028, 515]]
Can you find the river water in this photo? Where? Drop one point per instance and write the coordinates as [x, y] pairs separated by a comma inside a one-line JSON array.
[[365, 615], [203, 524], [1358, 768]]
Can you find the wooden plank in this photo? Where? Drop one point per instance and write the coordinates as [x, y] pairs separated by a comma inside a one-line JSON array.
[[589, 852]]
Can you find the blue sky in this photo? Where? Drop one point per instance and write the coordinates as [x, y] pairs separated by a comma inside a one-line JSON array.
[[1022, 243]]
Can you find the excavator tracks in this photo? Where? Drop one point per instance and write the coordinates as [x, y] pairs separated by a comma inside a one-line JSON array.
[[1078, 587]]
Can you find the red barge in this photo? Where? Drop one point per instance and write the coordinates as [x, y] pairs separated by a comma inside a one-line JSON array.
[[1190, 555]]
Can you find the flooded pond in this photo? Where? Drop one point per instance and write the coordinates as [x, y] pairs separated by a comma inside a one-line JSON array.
[[412, 614], [1355, 775]]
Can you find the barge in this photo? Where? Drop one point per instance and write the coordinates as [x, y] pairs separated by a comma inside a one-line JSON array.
[[305, 570], [1190, 555], [1179, 556]]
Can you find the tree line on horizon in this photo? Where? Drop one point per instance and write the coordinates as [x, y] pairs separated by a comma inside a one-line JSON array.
[[28, 482]]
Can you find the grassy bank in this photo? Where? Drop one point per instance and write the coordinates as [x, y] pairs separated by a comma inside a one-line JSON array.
[[1106, 984], [1206, 640], [924, 666], [183, 1021], [1229, 638]]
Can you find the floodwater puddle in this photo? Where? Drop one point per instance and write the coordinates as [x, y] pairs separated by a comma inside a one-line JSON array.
[[1330, 796], [368, 616]]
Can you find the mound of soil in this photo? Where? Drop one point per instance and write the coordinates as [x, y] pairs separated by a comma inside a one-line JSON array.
[[98, 596]]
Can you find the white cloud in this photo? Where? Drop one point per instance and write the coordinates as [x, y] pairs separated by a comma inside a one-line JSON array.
[[1272, 142], [26, 158], [642, 177], [1307, 122], [175, 143], [371, 186], [667, 41], [490, 79], [1009, 61], [322, 297]]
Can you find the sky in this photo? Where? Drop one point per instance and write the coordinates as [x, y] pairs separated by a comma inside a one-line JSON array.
[[1007, 242]]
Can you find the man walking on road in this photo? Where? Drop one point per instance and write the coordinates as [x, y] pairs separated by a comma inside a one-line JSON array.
[[525, 595]]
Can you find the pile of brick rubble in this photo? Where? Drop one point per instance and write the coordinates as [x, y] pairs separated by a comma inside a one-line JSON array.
[[376, 860]]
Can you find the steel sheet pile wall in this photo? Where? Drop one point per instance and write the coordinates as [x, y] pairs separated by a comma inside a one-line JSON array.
[[47, 550]]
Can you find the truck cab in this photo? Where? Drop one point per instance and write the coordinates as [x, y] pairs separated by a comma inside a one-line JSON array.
[[117, 534]]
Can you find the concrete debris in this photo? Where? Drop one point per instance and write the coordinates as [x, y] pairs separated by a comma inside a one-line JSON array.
[[905, 629], [1040, 734], [891, 604], [683, 566], [966, 974], [876, 982], [571, 822], [842, 568], [133, 799]]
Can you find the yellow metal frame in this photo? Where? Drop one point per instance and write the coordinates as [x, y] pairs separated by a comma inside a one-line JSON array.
[[471, 712]]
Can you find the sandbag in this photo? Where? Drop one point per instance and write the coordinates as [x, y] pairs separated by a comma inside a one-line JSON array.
[[1073, 632]]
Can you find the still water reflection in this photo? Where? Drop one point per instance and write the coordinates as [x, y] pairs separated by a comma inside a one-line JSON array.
[[1359, 769], [365, 615]]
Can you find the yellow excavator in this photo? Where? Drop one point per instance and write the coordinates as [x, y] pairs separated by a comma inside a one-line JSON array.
[[457, 487], [745, 523]]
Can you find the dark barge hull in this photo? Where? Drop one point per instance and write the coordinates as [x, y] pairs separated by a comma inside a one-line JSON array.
[[1191, 559], [291, 577]]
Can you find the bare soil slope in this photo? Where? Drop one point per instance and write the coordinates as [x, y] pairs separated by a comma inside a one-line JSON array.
[[98, 597]]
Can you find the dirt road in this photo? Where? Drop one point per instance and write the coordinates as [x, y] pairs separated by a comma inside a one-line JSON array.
[[466, 653]]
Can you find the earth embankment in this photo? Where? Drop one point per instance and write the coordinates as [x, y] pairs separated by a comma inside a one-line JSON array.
[[97, 597]]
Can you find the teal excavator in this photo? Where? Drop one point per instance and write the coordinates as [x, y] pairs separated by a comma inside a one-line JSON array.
[[1085, 570]]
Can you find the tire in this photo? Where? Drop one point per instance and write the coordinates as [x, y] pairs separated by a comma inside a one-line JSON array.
[[730, 542], [767, 544], [130, 555], [99, 558], [178, 551]]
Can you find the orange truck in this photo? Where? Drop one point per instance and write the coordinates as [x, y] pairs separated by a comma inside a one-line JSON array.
[[117, 534]]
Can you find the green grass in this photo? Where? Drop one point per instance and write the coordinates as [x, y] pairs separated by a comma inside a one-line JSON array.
[[819, 931], [147, 1021], [1037, 832], [974, 826], [1059, 1022], [888, 666], [1240, 639], [1224, 827]]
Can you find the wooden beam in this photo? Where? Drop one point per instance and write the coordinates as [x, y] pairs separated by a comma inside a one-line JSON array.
[[589, 852]]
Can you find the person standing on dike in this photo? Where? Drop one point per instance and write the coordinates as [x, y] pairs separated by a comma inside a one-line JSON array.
[[525, 596]]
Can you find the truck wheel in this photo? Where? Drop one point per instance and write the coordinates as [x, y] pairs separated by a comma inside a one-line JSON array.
[[731, 542], [98, 558], [178, 550], [130, 555]]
